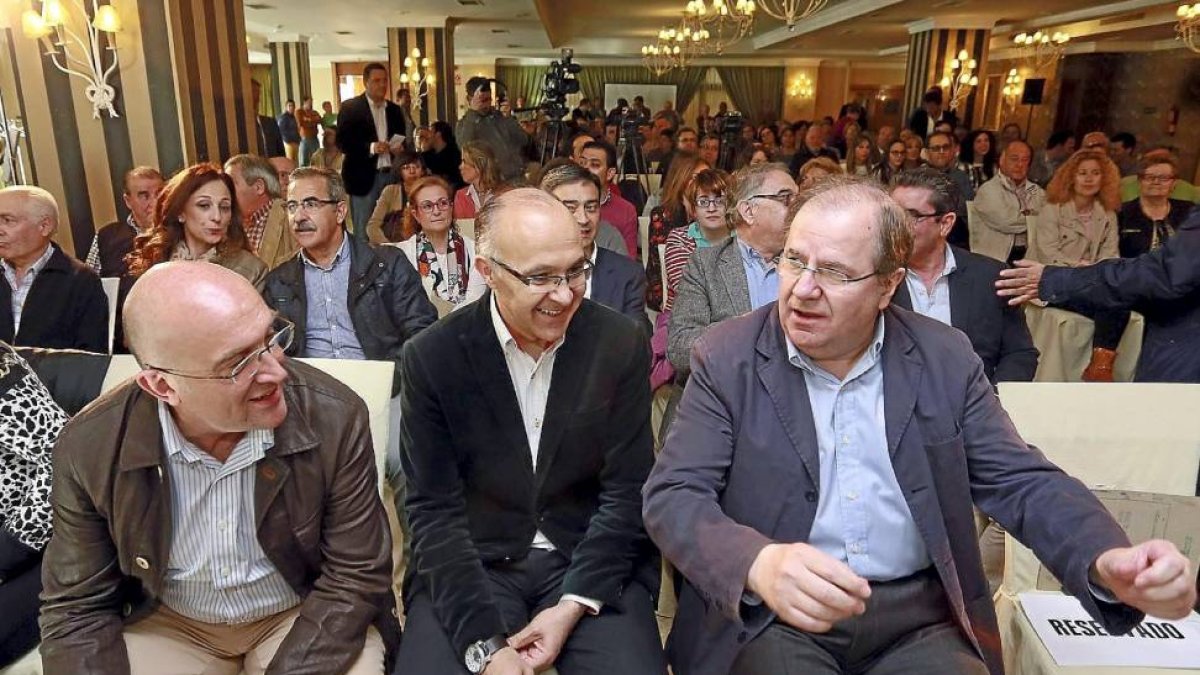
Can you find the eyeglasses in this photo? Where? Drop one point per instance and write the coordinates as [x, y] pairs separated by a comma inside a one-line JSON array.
[[917, 215], [824, 276], [546, 283], [705, 203], [784, 197], [430, 207], [1157, 179], [282, 334], [308, 204], [589, 207]]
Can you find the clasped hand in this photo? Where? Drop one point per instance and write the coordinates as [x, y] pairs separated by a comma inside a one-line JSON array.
[[807, 588]]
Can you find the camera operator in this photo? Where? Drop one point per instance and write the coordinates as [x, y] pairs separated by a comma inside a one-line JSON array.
[[483, 123]]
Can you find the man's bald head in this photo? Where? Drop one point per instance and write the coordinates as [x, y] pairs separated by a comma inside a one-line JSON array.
[[174, 305], [510, 221]]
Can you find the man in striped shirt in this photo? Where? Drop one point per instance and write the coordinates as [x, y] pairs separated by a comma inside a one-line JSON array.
[[218, 513]]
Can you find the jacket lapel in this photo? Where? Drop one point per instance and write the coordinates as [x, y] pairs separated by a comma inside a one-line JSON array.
[[142, 456], [960, 293], [733, 272], [602, 279], [486, 356], [570, 367], [901, 380], [901, 298], [294, 435], [785, 386]]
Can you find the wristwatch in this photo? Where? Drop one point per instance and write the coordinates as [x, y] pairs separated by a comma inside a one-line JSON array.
[[480, 654]]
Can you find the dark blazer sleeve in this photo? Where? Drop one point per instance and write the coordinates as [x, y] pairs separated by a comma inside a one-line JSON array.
[[411, 309], [1018, 359], [91, 313], [444, 554], [602, 563], [1170, 272], [682, 509]]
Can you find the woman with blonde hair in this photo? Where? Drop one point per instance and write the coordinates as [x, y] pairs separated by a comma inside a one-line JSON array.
[[443, 257], [1078, 227], [388, 217], [482, 174], [863, 156]]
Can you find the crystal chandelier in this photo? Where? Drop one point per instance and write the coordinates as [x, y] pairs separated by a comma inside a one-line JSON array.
[[727, 21], [1039, 50]]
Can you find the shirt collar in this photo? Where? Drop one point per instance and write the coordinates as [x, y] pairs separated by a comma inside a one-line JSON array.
[[260, 216], [751, 255], [948, 267], [343, 253], [37, 265], [697, 235], [129, 220], [507, 341], [175, 443], [864, 363]]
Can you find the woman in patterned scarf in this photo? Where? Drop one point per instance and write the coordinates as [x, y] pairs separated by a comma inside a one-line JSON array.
[[444, 258], [30, 422]]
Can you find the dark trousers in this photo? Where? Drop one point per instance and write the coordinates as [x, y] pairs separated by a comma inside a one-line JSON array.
[[20, 584], [907, 628], [1110, 326], [624, 641]]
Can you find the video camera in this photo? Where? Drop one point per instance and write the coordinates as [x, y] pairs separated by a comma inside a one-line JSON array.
[[560, 82]]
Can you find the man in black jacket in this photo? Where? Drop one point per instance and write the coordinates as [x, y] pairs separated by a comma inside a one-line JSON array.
[[47, 298], [114, 241], [367, 126], [525, 437], [348, 299], [955, 286], [269, 136]]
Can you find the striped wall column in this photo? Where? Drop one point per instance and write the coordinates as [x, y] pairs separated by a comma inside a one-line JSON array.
[[433, 43], [930, 51], [290, 76]]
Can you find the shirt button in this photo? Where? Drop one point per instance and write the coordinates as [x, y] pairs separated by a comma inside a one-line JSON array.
[[142, 562], [852, 496], [855, 548], [845, 439], [223, 526], [225, 570]]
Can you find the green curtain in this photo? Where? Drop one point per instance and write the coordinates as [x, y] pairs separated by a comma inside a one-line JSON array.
[[687, 81], [262, 73], [523, 81], [756, 91]]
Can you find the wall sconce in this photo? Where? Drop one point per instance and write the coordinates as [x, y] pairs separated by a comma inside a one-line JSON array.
[[418, 73], [1188, 26], [75, 54], [802, 87], [961, 79]]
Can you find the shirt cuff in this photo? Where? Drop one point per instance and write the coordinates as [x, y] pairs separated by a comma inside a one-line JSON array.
[[592, 606], [1102, 594]]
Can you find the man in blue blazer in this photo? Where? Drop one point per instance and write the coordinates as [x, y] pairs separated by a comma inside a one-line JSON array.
[[816, 487], [617, 282]]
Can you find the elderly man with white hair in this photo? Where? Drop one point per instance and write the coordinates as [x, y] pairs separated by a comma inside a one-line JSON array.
[[72, 310]]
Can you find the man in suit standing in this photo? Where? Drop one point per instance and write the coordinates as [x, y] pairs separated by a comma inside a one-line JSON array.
[[525, 437], [616, 282], [816, 487], [366, 126], [740, 274], [47, 298], [269, 136], [955, 286], [931, 112]]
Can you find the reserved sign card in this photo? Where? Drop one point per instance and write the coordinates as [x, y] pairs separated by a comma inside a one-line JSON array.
[[1073, 638]]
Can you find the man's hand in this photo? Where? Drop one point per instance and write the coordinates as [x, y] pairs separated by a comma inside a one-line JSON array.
[[380, 148], [1152, 576], [540, 642], [807, 588], [1020, 283], [508, 662]]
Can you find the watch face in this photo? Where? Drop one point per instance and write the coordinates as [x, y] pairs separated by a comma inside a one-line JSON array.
[[476, 659]]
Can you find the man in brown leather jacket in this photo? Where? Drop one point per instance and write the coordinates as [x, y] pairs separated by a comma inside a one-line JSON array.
[[219, 512]]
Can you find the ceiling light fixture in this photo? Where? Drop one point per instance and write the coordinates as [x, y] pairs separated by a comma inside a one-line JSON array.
[[789, 11], [1188, 26], [1039, 50]]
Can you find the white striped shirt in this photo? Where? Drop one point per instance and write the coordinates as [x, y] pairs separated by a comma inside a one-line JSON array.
[[217, 571]]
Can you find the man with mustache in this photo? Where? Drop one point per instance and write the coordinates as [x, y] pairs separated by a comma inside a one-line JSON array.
[[525, 437], [348, 299], [217, 513], [817, 484]]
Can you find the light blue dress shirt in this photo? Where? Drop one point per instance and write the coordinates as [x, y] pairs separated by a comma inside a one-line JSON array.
[[761, 276], [934, 304], [329, 333], [862, 518]]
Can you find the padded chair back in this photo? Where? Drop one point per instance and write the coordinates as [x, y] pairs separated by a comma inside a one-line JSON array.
[[111, 289], [644, 238], [466, 227]]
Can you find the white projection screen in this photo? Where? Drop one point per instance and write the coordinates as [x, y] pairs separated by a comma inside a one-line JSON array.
[[654, 94]]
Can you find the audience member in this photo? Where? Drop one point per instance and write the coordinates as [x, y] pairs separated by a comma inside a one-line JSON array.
[[528, 546], [1008, 133], [284, 166], [616, 281], [924, 120], [289, 129], [257, 189], [390, 213], [740, 274], [669, 114], [943, 149], [1003, 206], [1095, 140], [1181, 190], [330, 156], [787, 145], [1161, 285], [481, 173], [710, 149], [1059, 147], [348, 298], [1145, 223], [686, 140], [443, 257], [977, 157], [47, 299], [956, 286], [404, 102], [443, 156], [196, 218], [816, 169], [482, 123], [893, 162], [863, 157], [368, 126], [884, 138], [114, 241], [782, 572], [600, 159], [1078, 227], [607, 236], [309, 121], [269, 137], [813, 147], [704, 198], [670, 214], [914, 152], [1121, 149], [35, 421], [328, 117], [243, 524]]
